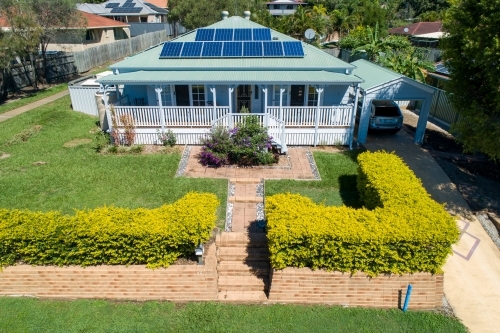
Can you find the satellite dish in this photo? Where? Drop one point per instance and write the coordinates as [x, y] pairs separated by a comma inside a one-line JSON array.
[[309, 34], [406, 30]]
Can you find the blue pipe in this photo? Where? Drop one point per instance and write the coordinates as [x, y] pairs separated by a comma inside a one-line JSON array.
[[407, 298]]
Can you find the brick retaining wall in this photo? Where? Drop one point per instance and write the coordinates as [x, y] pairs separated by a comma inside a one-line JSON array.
[[177, 282], [302, 285]]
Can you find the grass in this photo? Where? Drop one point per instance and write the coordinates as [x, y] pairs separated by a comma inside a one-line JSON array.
[[42, 174], [41, 94], [33, 315], [337, 185]]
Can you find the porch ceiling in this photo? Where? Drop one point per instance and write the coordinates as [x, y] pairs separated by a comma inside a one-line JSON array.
[[229, 77]]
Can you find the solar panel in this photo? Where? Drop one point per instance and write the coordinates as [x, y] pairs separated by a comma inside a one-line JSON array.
[[204, 35], [135, 9], [262, 34], [243, 34], [212, 49], [252, 49], [293, 49], [224, 34], [232, 49], [273, 49], [128, 5], [112, 5], [172, 49], [116, 10], [191, 49]]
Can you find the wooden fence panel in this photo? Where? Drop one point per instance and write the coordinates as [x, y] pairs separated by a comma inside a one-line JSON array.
[[99, 55]]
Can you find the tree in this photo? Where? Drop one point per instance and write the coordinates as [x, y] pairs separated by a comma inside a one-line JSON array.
[[471, 51], [422, 6], [410, 62]]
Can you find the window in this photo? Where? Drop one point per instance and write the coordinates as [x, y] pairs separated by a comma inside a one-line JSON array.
[[277, 6], [144, 19], [119, 33], [276, 99], [289, 6], [90, 35], [166, 96], [198, 93], [312, 97]]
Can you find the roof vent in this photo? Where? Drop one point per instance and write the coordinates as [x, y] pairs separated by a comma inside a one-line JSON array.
[[246, 14], [225, 14], [275, 38]]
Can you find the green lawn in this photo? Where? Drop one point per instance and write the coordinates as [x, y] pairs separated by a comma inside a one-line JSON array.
[[337, 185], [41, 94], [32, 315], [78, 177]]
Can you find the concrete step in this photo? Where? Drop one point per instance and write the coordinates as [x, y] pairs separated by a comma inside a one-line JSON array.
[[242, 198], [236, 268], [241, 239], [242, 296], [245, 180], [242, 283], [233, 253]]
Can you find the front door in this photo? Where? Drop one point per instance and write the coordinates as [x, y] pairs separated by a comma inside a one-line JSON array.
[[243, 97], [182, 95], [297, 95]]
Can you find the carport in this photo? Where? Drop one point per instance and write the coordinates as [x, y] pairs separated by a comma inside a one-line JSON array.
[[382, 83]]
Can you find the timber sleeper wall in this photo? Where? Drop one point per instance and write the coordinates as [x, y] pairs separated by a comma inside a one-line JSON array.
[[176, 283], [303, 285]]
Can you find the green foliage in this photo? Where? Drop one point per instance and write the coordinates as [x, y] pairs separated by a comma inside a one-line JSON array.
[[401, 230], [471, 50], [246, 144], [422, 6], [167, 138], [108, 235], [410, 62], [97, 316]]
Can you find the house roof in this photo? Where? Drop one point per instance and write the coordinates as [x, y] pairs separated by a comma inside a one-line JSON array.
[[421, 28], [230, 77], [314, 59], [93, 22], [96, 21], [159, 3], [100, 9], [375, 76]]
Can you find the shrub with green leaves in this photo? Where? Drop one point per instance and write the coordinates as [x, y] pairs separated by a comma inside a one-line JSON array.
[[400, 230], [108, 235]]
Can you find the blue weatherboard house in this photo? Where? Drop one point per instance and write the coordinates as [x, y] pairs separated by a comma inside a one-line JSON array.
[[216, 76]]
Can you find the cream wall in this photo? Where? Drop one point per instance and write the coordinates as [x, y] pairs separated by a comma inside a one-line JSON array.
[[76, 42]]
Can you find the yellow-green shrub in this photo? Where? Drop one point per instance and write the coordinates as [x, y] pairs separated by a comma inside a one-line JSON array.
[[108, 235], [402, 230]]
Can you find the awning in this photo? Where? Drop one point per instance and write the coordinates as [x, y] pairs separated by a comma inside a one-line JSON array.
[[230, 77]]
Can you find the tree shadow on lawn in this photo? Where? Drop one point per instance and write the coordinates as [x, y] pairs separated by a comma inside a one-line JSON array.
[[348, 191]]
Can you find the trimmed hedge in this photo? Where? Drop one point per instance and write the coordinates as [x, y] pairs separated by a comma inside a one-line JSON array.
[[400, 230], [108, 235]]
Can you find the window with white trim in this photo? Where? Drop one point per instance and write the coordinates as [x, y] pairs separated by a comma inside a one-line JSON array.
[[312, 96], [198, 94], [276, 99], [166, 96]]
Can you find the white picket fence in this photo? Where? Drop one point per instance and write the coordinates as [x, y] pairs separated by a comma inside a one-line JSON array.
[[329, 116], [174, 116]]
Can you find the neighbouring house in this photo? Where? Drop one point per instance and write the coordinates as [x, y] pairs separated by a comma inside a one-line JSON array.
[[206, 77], [424, 34], [284, 7], [439, 77], [97, 31]]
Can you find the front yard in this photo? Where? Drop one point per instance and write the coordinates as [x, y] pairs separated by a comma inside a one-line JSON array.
[[32, 315], [38, 172]]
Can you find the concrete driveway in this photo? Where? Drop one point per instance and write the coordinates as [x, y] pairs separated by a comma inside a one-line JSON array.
[[472, 273]]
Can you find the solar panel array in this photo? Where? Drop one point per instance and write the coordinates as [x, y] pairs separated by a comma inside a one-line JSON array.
[[127, 7], [233, 49], [227, 35]]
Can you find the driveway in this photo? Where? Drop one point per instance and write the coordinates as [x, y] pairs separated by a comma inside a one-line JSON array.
[[472, 273]]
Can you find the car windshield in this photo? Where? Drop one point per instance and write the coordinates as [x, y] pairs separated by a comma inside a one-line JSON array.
[[386, 111]]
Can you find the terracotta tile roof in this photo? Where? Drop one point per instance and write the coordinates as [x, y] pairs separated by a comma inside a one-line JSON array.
[[93, 21], [419, 28], [96, 21], [158, 3]]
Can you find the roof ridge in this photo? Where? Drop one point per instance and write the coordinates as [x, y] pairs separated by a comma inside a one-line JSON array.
[[381, 67]]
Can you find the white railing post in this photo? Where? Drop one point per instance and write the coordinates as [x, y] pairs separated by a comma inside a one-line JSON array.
[[214, 104], [158, 90], [319, 91], [353, 116], [264, 90], [104, 90], [281, 103], [266, 121], [230, 119]]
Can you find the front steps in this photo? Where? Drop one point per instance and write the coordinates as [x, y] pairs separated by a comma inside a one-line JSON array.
[[243, 267]]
